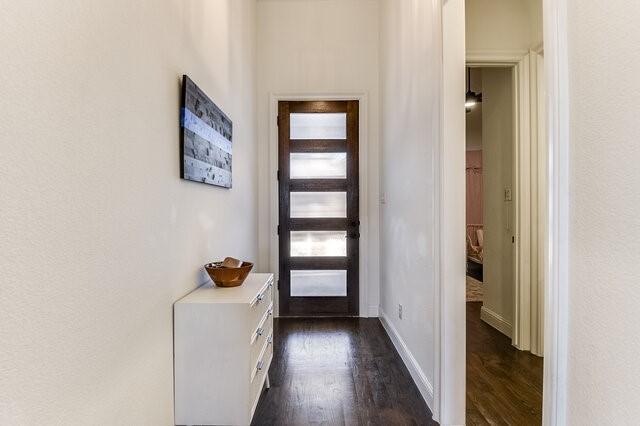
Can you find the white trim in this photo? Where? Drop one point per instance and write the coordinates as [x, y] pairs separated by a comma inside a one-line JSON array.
[[364, 272], [496, 321], [374, 311], [521, 335], [495, 58], [449, 313], [434, 399], [532, 191], [539, 203], [554, 395], [417, 374]]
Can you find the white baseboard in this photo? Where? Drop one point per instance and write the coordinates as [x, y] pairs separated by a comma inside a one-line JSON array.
[[424, 386], [374, 311], [496, 321]]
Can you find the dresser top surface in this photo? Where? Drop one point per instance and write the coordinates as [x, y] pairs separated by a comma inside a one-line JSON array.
[[246, 293]]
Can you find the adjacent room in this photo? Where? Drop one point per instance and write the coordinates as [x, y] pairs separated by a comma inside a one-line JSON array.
[[474, 186]]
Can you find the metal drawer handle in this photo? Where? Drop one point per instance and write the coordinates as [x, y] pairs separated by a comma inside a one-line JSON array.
[[270, 312], [259, 331], [270, 340], [260, 365], [260, 297]]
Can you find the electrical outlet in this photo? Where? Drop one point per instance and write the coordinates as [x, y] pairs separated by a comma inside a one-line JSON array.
[[399, 311]]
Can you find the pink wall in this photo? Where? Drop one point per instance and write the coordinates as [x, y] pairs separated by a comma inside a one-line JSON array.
[[474, 187]]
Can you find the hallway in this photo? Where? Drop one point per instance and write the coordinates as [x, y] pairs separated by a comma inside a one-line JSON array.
[[320, 147], [339, 372], [504, 385]]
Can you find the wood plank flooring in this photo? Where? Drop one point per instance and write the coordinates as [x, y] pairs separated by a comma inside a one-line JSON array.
[[346, 372], [338, 372], [504, 385]]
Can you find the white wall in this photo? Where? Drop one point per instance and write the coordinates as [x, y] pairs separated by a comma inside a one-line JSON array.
[[473, 129], [410, 89], [604, 233], [503, 25], [329, 47], [497, 169], [99, 234]]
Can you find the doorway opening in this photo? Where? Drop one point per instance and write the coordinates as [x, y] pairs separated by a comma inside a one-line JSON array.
[[319, 222], [504, 384]]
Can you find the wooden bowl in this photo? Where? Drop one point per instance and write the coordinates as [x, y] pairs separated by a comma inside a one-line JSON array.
[[228, 277]]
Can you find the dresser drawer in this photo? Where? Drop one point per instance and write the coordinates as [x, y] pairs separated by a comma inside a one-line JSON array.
[[260, 304], [261, 369], [260, 335]]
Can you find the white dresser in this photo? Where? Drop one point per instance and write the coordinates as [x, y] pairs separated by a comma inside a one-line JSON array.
[[223, 346]]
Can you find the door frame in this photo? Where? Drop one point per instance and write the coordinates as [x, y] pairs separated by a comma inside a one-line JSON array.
[[556, 318], [363, 262], [450, 389], [526, 330], [323, 306]]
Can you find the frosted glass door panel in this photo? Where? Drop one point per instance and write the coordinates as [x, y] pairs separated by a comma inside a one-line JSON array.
[[319, 283], [318, 243], [318, 166], [318, 126], [318, 204]]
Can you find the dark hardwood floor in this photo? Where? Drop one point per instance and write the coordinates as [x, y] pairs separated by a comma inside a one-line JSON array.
[[338, 372], [504, 385]]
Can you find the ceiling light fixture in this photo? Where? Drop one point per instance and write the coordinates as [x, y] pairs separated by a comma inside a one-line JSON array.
[[472, 98]]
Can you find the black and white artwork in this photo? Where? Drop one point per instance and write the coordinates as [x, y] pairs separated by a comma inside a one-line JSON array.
[[207, 135]]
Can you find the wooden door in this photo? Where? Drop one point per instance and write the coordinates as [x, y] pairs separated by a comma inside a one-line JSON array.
[[319, 208]]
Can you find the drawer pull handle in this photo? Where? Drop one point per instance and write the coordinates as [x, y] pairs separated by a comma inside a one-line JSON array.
[[260, 365], [259, 331], [260, 297], [270, 340], [270, 312]]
